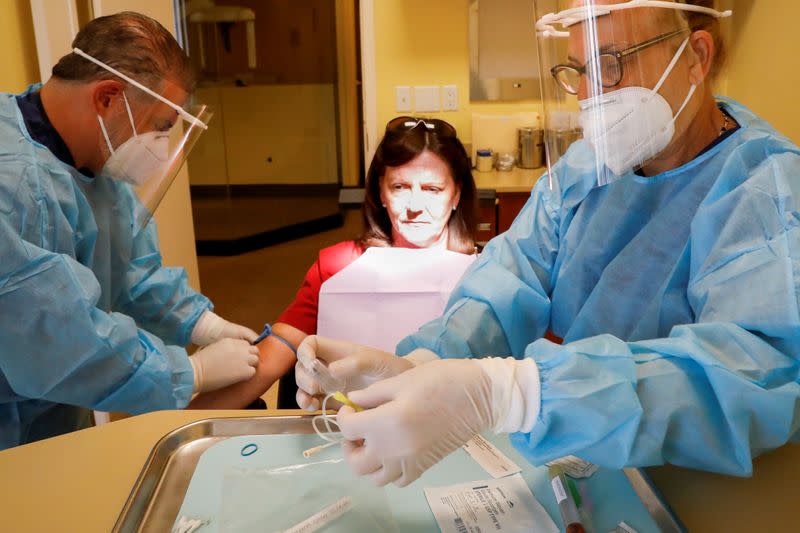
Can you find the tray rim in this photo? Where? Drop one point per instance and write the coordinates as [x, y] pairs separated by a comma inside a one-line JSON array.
[[158, 458]]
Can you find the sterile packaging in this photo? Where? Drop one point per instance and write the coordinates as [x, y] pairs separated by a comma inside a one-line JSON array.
[[303, 498], [504, 505]]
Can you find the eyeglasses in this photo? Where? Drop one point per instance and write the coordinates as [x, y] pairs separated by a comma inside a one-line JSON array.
[[433, 125], [607, 67]]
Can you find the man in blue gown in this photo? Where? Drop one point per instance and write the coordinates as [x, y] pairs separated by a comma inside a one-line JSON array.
[[663, 248], [89, 317]]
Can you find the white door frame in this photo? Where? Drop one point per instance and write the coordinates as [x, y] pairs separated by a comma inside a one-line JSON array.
[[55, 24], [368, 80]]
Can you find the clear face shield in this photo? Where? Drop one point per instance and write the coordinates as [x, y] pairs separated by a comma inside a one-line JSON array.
[[147, 137], [615, 79]]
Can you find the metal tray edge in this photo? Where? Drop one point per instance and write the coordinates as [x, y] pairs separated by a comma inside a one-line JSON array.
[[148, 465], [663, 515], [164, 448]]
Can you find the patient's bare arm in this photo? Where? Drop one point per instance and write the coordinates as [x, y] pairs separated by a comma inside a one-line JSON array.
[[275, 359]]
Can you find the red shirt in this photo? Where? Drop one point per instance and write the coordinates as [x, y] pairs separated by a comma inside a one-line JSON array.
[[302, 312]]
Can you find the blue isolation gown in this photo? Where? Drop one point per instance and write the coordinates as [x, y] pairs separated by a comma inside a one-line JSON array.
[[89, 317], [676, 296]]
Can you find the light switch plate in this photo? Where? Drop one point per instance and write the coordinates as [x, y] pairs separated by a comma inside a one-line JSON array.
[[449, 98], [403, 96], [427, 98]]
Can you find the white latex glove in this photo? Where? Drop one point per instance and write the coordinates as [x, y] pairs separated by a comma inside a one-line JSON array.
[[212, 327], [415, 419], [356, 365], [223, 363]]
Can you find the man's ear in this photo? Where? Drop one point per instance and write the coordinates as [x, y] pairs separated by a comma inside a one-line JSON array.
[[702, 44], [104, 93]]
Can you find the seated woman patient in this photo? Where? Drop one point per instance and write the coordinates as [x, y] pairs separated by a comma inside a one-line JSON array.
[[419, 194]]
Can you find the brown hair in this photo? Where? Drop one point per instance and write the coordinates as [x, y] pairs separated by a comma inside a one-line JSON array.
[[132, 43], [398, 147]]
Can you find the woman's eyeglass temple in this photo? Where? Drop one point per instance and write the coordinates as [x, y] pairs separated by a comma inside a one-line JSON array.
[[433, 125]]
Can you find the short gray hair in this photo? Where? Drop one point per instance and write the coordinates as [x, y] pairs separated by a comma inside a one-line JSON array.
[[694, 21], [699, 21], [132, 43]]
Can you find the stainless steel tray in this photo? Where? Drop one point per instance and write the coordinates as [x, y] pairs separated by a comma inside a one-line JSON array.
[[158, 493]]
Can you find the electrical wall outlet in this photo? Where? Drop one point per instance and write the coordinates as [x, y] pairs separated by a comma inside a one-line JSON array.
[[427, 99], [449, 98], [403, 96]]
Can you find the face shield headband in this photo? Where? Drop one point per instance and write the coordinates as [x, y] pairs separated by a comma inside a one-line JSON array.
[[546, 25]]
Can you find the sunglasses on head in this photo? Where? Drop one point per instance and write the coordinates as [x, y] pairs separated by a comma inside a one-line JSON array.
[[433, 125]]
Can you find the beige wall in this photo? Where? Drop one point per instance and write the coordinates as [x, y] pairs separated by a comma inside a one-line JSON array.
[[267, 134], [18, 45], [423, 42], [764, 70]]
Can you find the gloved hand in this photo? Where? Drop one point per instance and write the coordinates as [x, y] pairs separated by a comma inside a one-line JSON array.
[[356, 365], [415, 419], [223, 363], [212, 327]]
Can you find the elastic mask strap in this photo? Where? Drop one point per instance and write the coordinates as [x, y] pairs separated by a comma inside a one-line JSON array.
[[130, 115], [103, 125], [105, 133], [692, 89], [667, 72], [669, 68]]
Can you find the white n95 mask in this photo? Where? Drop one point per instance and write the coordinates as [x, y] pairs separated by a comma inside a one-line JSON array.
[[140, 157], [149, 160], [629, 126]]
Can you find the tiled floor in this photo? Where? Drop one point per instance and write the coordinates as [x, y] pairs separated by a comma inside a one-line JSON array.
[[254, 288]]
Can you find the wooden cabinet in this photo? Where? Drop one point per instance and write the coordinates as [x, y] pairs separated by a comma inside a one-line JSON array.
[[502, 196], [487, 216], [509, 204], [496, 212]]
